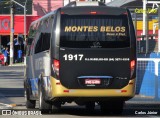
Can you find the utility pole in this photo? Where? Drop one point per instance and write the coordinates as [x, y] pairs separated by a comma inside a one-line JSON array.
[[25, 20], [146, 32], [11, 32], [24, 7], [159, 29], [135, 23], [0, 43], [144, 16]]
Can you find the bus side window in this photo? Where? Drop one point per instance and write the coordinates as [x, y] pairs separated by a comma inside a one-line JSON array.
[[46, 41], [43, 43], [38, 47], [32, 33]]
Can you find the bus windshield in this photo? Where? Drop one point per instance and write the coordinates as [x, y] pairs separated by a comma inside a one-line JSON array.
[[90, 31]]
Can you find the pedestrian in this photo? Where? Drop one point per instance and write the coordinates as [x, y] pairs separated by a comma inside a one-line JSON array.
[[6, 56], [2, 49], [19, 56]]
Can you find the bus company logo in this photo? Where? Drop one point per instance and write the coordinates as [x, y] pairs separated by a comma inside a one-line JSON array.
[[96, 45]]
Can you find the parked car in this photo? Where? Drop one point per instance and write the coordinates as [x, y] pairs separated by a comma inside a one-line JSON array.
[[2, 59]]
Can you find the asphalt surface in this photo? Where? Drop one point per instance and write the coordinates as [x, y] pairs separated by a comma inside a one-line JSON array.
[[11, 81], [11, 84], [12, 92]]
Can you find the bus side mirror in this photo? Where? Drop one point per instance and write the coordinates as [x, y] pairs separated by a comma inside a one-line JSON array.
[[29, 41]]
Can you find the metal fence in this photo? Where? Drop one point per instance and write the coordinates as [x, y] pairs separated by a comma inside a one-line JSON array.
[[147, 46], [148, 79]]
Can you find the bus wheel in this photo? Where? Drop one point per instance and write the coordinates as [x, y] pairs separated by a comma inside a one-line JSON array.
[[105, 108], [29, 103], [118, 107], [90, 106], [56, 107], [44, 106]]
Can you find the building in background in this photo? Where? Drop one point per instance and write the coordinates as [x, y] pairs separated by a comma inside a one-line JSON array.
[[136, 6], [34, 10]]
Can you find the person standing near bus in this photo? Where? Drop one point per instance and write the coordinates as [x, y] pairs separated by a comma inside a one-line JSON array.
[[2, 49], [6, 56]]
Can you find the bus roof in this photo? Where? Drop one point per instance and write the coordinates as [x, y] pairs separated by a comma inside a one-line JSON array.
[[73, 9], [86, 10], [85, 3]]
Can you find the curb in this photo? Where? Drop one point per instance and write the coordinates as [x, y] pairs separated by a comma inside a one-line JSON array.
[[9, 106], [13, 66], [17, 64], [5, 106], [15, 105]]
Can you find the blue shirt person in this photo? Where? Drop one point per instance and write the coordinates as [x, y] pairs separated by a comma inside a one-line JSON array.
[[5, 52], [19, 55]]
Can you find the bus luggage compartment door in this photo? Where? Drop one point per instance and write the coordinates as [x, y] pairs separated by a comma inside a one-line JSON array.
[[94, 68]]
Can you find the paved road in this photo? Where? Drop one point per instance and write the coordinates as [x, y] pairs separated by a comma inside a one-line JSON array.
[[11, 81], [11, 91]]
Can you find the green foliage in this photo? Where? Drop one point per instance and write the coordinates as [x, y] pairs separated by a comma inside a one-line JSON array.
[[6, 4]]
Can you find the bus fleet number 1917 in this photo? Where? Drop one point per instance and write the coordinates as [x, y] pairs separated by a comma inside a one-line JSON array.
[[71, 57]]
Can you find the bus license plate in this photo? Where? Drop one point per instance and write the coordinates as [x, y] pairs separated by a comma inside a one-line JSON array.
[[92, 81]]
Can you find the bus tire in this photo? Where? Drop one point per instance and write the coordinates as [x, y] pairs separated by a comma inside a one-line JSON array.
[[105, 109], [44, 106], [29, 103], [118, 107], [56, 106], [90, 106]]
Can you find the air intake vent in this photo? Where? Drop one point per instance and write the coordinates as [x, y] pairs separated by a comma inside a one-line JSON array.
[[85, 3]]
